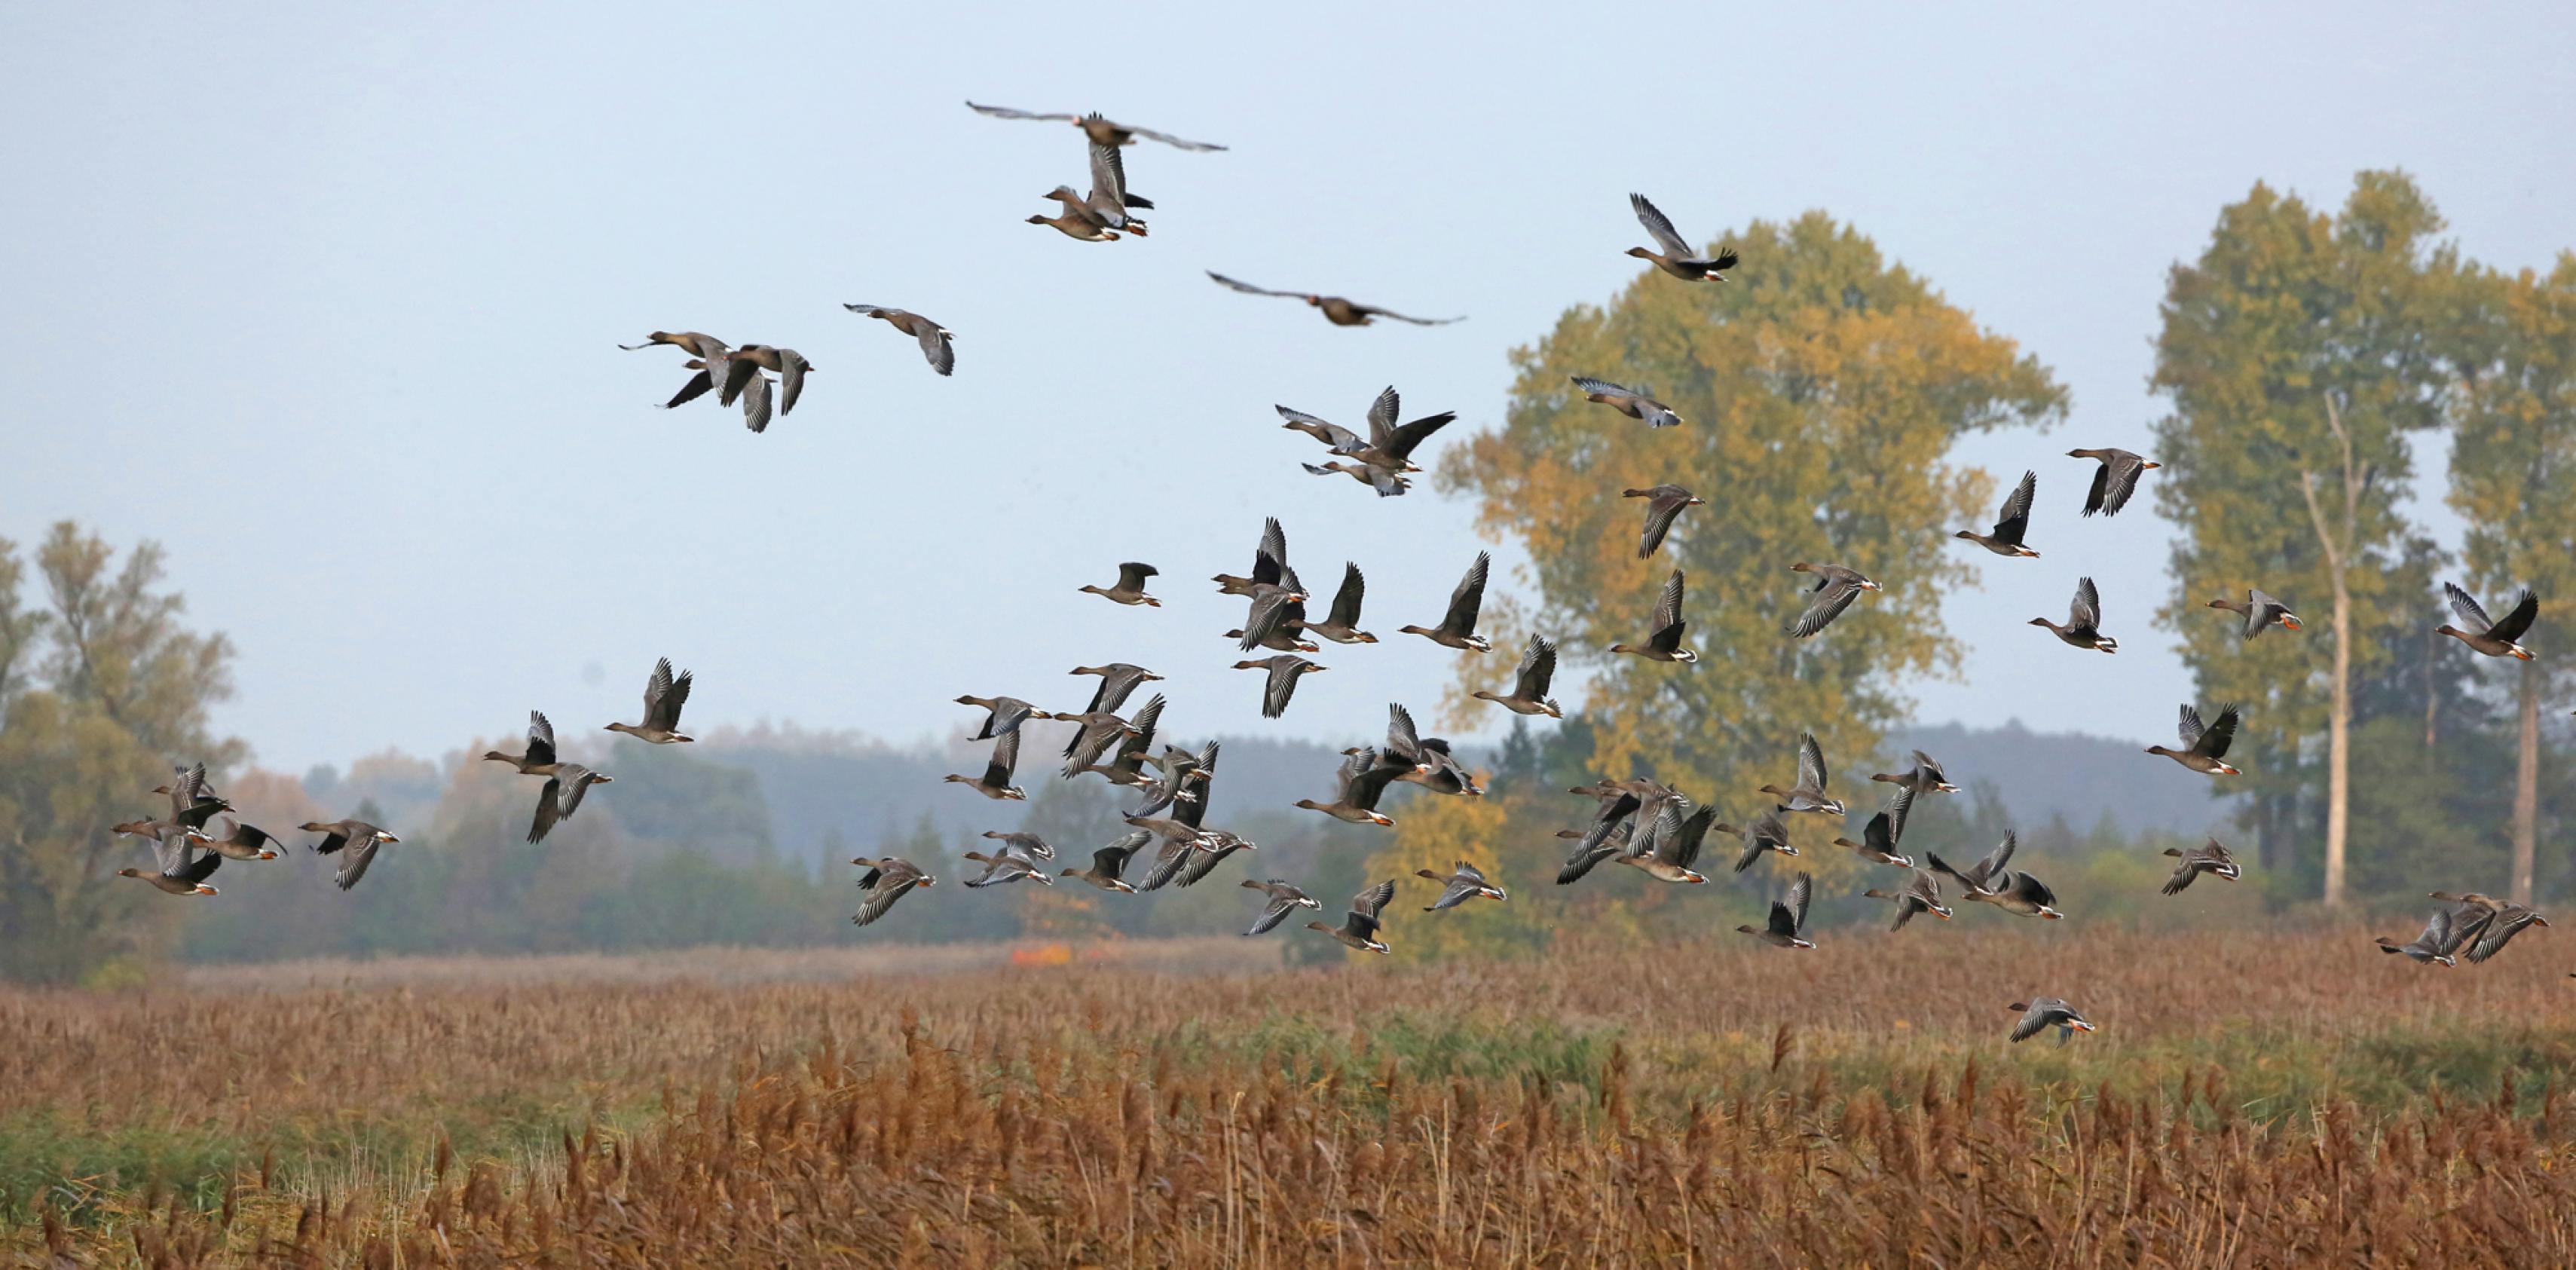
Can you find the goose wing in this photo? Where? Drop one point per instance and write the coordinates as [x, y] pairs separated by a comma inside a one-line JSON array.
[[791, 379], [1249, 289], [1800, 893], [2085, 612], [1374, 311], [1833, 595], [2518, 619], [1005, 757], [1660, 226], [1370, 902], [541, 738], [1661, 511], [1006, 112], [1811, 763], [664, 695], [2466, 605], [1279, 907], [2114, 483], [2015, 520], [2220, 735], [1668, 604], [1466, 602], [1346, 601], [1538, 667], [1401, 738]]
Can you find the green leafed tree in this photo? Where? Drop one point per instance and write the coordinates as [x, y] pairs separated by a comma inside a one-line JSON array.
[[2301, 352], [2513, 461], [102, 689], [1822, 387]]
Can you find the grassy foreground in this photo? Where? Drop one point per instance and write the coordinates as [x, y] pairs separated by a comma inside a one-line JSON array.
[[2269, 1100]]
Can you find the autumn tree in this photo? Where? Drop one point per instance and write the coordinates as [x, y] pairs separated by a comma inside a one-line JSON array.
[[2301, 352], [101, 691], [1821, 388], [2513, 459]]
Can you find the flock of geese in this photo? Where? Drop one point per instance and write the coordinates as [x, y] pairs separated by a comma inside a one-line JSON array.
[[1639, 822]]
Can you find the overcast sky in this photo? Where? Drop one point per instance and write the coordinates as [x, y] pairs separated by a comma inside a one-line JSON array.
[[323, 298]]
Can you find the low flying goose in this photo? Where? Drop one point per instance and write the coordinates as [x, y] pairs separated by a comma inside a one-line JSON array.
[[886, 880], [1530, 682], [2204, 746], [1677, 258], [1667, 626], [1788, 917], [995, 783], [1457, 627], [1336, 310], [1282, 899], [2006, 540], [1922, 894], [1101, 131], [1359, 929], [1836, 587], [2042, 1013], [664, 695], [2083, 627], [938, 344], [2211, 857], [1809, 793], [2495, 639], [1465, 883], [2114, 480]]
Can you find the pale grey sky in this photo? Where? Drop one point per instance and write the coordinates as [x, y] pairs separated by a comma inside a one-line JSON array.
[[323, 298]]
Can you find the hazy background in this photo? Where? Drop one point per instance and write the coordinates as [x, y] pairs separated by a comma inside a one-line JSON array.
[[327, 305]]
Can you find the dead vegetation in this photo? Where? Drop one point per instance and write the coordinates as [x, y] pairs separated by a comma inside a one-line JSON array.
[[1712, 1103]]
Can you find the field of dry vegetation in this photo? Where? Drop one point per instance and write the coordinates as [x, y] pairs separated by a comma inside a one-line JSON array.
[[2265, 1100]]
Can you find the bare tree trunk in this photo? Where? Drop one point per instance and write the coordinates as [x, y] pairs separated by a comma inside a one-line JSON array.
[[2338, 744], [2338, 549], [2526, 787], [2432, 699]]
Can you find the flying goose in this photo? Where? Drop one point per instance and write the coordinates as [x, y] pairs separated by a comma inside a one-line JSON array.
[[2012, 524], [1922, 894], [1880, 836], [1027, 844], [1389, 482], [1466, 883], [1632, 402], [1391, 445], [2042, 1013], [1127, 766], [2083, 627], [540, 758], [354, 841], [744, 381], [938, 344], [1664, 503], [1220, 844], [1836, 587], [1678, 258], [1357, 786], [664, 695], [1118, 681], [2204, 748], [1269, 562], [562, 796], [1529, 683], [1925, 777], [178, 869], [1273, 616], [2114, 481], [1425, 760], [2211, 857], [1788, 917], [1108, 202], [1809, 795], [2495, 639], [192, 801], [2443, 934], [1342, 624], [1130, 588], [2260, 611], [1002, 715], [1767, 833], [708, 356], [1336, 310], [886, 880], [1667, 853], [1283, 899], [245, 842], [2504, 920], [1101, 131], [1005, 868], [1667, 627], [1284, 670], [1109, 861], [1359, 929], [1457, 627], [995, 783], [1989, 882], [1097, 731], [1613, 826]]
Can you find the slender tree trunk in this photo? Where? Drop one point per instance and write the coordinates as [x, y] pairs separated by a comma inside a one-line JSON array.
[[2338, 743], [2526, 787], [2432, 699]]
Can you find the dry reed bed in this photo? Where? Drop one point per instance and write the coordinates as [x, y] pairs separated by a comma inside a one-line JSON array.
[[1707, 1102]]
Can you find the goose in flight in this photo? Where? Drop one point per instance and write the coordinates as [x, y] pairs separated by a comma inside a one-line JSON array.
[[2011, 524], [1530, 682], [1457, 627], [886, 880], [938, 344], [2495, 639], [1359, 929], [1336, 310], [2114, 480], [1632, 402], [2204, 746], [1103, 132], [1836, 587], [664, 695], [2260, 611], [2083, 628], [1664, 643], [1677, 258]]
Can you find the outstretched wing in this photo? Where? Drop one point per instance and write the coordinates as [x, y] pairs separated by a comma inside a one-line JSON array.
[[2526, 608], [1831, 599], [1668, 606], [2466, 606], [1811, 763], [2015, 519], [2086, 611], [1006, 756], [1468, 600], [1006, 112], [1271, 916], [1538, 668], [1659, 225], [1368, 903], [1374, 311], [2190, 728], [1249, 289], [541, 738], [2221, 734], [1346, 601], [1170, 140], [1661, 511], [2113, 485]]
